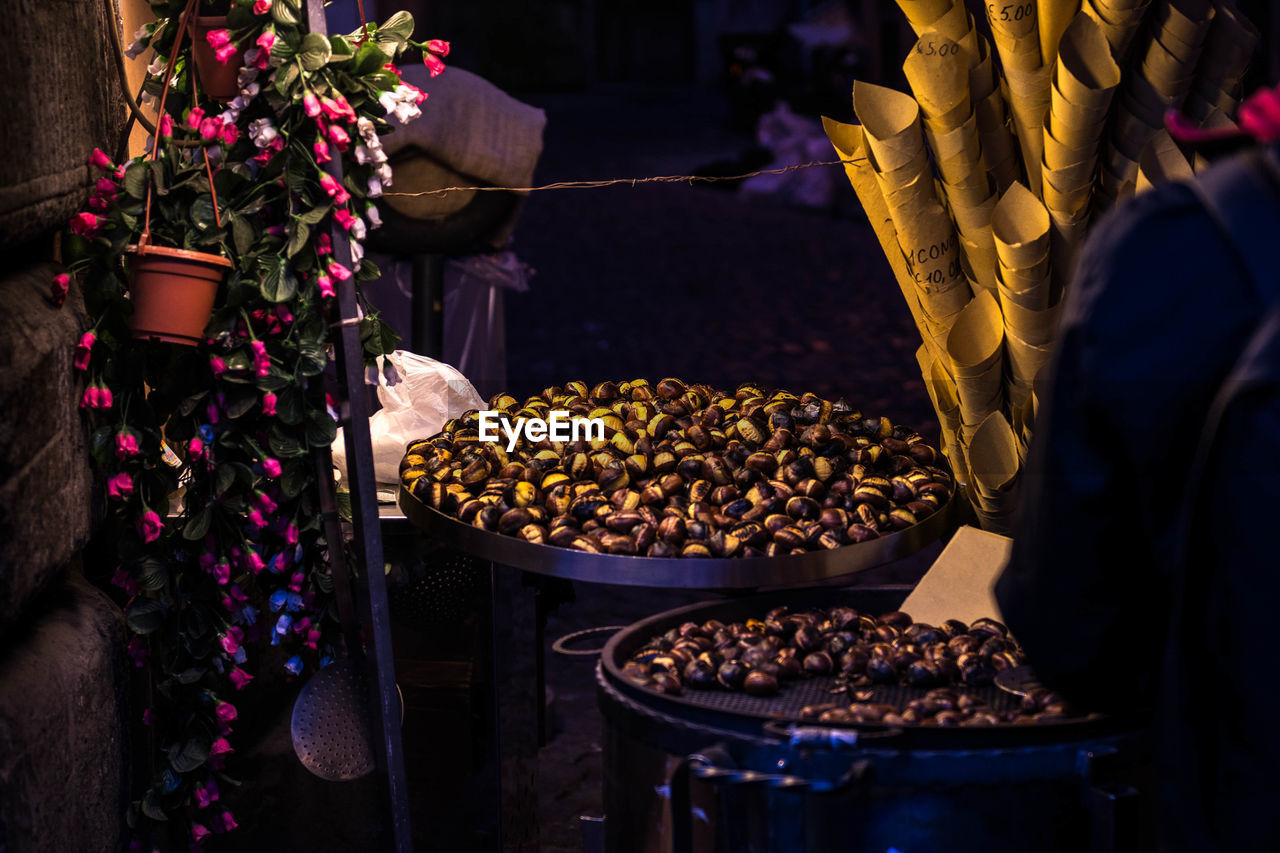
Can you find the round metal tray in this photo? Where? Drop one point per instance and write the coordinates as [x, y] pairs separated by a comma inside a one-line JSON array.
[[691, 573]]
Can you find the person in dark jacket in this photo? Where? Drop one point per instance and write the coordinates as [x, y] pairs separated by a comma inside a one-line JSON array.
[[1141, 581]]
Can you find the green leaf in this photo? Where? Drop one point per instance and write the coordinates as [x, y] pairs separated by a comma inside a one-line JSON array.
[[396, 31], [240, 400], [369, 58], [312, 359], [191, 755], [315, 214], [244, 235], [300, 234], [321, 430], [285, 446], [153, 574], [279, 284], [283, 13], [145, 615], [223, 478], [297, 474], [135, 180], [198, 525], [315, 51], [281, 52], [291, 405], [285, 77], [190, 676], [341, 46], [202, 213], [151, 806]]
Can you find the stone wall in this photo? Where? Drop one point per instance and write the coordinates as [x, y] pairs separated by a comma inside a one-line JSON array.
[[63, 768]]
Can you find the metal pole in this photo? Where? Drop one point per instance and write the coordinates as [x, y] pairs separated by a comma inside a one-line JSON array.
[[384, 698]]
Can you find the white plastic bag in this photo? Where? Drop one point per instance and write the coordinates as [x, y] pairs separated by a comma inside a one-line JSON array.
[[428, 394]]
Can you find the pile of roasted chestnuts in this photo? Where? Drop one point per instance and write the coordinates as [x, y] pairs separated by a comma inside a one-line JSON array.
[[859, 652], [681, 471]]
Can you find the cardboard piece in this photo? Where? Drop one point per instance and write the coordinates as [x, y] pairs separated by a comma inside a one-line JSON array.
[[959, 583], [1054, 18]]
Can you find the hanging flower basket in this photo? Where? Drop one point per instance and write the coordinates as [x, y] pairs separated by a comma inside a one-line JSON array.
[[218, 80], [173, 291]]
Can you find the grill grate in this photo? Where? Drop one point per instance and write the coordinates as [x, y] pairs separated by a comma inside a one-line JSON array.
[[441, 588]]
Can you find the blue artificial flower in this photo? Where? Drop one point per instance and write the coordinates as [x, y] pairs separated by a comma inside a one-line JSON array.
[[273, 565], [248, 614], [283, 623], [278, 600], [206, 433], [295, 602], [294, 665]]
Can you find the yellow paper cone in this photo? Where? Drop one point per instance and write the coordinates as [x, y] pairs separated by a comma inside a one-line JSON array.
[[1020, 224], [1161, 162], [1053, 17]]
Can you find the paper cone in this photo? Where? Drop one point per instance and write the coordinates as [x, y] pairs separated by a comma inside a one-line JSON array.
[[1028, 104], [1228, 49], [921, 14], [1020, 224], [980, 262], [982, 76], [850, 146], [1025, 360], [974, 347], [993, 456], [1186, 20], [956, 25], [1036, 328], [1053, 18], [1086, 74], [1118, 26], [1028, 287], [1015, 31], [1057, 154], [1072, 196], [932, 249], [963, 142], [1161, 162], [937, 69], [971, 201], [891, 125]]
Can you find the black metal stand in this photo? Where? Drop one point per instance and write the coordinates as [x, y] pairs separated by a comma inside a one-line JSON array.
[[384, 700]]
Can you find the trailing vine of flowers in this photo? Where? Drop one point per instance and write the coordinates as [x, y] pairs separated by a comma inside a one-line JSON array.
[[237, 422]]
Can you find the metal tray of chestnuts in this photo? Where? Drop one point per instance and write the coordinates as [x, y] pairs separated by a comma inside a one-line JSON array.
[[687, 486], [811, 657], [682, 572]]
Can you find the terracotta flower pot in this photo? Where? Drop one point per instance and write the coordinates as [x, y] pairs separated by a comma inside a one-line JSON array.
[[172, 291], [217, 81]]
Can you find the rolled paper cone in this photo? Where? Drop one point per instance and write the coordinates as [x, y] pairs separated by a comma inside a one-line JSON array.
[[1058, 155], [1020, 224], [1228, 48], [932, 249], [993, 456], [1119, 27], [907, 204], [1028, 287], [982, 75], [1053, 18], [906, 176], [1077, 126], [997, 140], [1025, 360], [890, 123], [1028, 103], [1168, 73], [1161, 162], [972, 219], [1071, 176], [1175, 46], [921, 14], [937, 69], [1037, 328], [1186, 20], [949, 120], [962, 141], [1069, 191], [1016, 33], [1119, 165], [980, 258], [956, 25], [975, 346], [1065, 237], [1146, 101], [1086, 74]]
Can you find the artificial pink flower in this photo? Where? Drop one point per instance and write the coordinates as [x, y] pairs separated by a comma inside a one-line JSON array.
[[126, 445], [206, 794], [339, 137], [265, 503], [120, 486], [326, 285], [84, 349], [313, 638], [137, 650], [230, 643], [291, 534], [218, 38], [439, 47], [434, 64], [85, 224], [418, 95], [296, 580], [106, 187], [217, 365], [324, 245], [100, 160], [99, 204], [224, 53], [338, 271], [271, 467], [90, 398], [212, 412], [266, 41], [254, 561], [221, 746], [229, 134], [199, 832], [210, 128], [239, 678], [222, 573], [58, 289], [121, 578], [226, 712], [195, 448], [268, 403], [344, 218], [104, 398], [149, 526], [261, 7], [311, 105], [256, 519], [228, 821], [322, 151], [195, 115], [329, 185]]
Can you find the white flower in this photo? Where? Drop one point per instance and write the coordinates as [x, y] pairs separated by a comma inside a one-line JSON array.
[[251, 56], [157, 65], [384, 174], [246, 76], [375, 218], [402, 103], [357, 229], [250, 92], [366, 154], [262, 132], [229, 116], [368, 132], [134, 50], [375, 187], [357, 253], [146, 98]]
